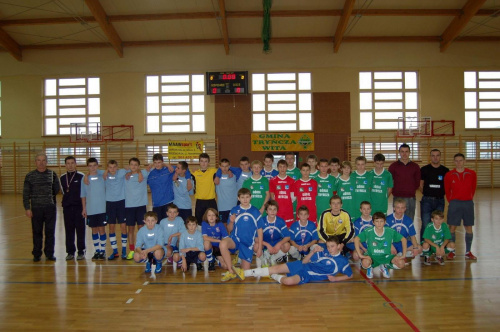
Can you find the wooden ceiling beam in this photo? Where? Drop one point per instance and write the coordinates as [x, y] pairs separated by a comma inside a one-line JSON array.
[[459, 22], [225, 33], [10, 45], [98, 12], [342, 25]]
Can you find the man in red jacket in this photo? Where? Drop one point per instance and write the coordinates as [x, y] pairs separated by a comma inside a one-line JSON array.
[[460, 187]]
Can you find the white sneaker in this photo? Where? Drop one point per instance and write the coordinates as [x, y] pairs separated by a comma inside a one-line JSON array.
[[369, 272], [385, 271]]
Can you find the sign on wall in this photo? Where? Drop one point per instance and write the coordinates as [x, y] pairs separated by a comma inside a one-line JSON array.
[[282, 142], [184, 149]]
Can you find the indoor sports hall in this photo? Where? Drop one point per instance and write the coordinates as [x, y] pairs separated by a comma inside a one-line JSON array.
[[115, 79]]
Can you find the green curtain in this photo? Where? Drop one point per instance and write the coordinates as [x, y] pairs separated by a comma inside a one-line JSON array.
[[266, 25]]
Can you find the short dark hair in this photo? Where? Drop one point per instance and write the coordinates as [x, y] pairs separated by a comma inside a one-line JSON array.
[[191, 219], [335, 197], [282, 162], [289, 153], [312, 156], [459, 155], [437, 213], [112, 162], [323, 160], [244, 191], [364, 203], [244, 158], [134, 159], [305, 165], [404, 145], [69, 158], [183, 165], [150, 214], [435, 150], [204, 156], [92, 160], [334, 160], [271, 203], [379, 157], [157, 156], [303, 208], [225, 160], [334, 238], [269, 156], [362, 158], [172, 206], [378, 215]]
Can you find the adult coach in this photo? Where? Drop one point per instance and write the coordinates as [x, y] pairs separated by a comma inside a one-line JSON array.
[[39, 199], [432, 188], [460, 187], [406, 176]]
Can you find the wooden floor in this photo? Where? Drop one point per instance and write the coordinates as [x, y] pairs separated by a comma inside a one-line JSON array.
[[118, 295]]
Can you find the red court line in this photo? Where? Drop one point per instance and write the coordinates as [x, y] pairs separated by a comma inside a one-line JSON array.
[[388, 300]]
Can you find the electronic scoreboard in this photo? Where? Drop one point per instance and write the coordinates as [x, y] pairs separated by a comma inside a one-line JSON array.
[[227, 83]]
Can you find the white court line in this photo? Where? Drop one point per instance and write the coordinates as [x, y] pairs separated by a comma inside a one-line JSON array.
[[129, 301], [138, 291], [144, 284], [14, 218]]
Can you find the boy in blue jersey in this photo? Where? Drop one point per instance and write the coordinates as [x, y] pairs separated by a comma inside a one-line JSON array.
[[172, 227], [191, 245], [227, 191], [136, 199], [183, 189], [363, 222], [318, 265], [213, 232], [94, 208], [402, 224], [115, 206], [303, 234], [276, 236], [245, 227], [268, 171], [149, 246]]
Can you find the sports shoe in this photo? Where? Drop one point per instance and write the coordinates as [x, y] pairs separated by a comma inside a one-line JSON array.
[[369, 272], [470, 256], [282, 259], [148, 267], [450, 255], [80, 257], [124, 256], [102, 256], [96, 256], [158, 267], [239, 273], [113, 256], [228, 276], [36, 258], [440, 260], [170, 260], [70, 257], [211, 266], [199, 267], [385, 271], [51, 258], [427, 260], [235, 259], [130, 255]]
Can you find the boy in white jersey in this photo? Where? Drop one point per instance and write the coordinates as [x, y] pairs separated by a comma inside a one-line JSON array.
[[437, 237], [149, 246]]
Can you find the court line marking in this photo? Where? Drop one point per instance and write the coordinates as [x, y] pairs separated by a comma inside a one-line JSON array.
[[129, 301], [388, 300], [138, 291]]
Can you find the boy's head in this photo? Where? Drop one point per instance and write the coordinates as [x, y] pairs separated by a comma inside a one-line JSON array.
[[268, 160], [303, 213], [334, 245], [271, 207], [158, 161], [224, 165], [312, 160], [92, 164], [244, 196], [172, 211], [305, 170], [70, 163], [334, 164], [256, 167], [379, 160], [336, 204], [360, 163], [244, 163], [290, 159], [459, 160], [404, 152], [399, 207], [204, 159], [134, 164], [150, 219], [378, 220], [191, 224], [211, 216], [366, 208], [346, 167], [282, 166], [323, 166], [437, 217], [112, 166], [182, 166]]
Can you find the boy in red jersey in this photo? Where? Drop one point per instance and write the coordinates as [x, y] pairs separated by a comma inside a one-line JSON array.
[[305, 190], [280, 188]]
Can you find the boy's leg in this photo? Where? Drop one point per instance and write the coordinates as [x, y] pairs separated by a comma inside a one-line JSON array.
[[102, 240], [69, 230], [225, 245], [287, 281], [111, 219], [208, 250], [266, 271], [95, 240]]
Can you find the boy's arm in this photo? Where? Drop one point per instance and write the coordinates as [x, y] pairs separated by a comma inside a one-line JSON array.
[[307, 258], [357, 245], [405, 246], [210, 239], [339, 278], [432, 244], [84, 208], [189, 185], [172, 236], [260, 239]]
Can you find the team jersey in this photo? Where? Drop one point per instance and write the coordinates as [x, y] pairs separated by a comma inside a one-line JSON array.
[[170, 227], [362, 183], [282, 189], [294, 173], [258, 189], [246, 224], [340, 224], [95, 194], [326, 187], [227, 192], [269, 175], [161, 185], [242, 178], [136, 193], [217, 231], [274, 231], [302, 235], [306, 192], [182, 196], [379, 186], [314, 175], [148, 238], [345, 190], [437, 236], [403, 226], [188, 240], [115, 186], [204, 183], [324, 264], [360, 225], [379, 245]]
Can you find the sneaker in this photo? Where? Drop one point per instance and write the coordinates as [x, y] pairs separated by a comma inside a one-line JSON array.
[[51, 258], [385, 271], [239, 273], [158, 267], [36, 258], [228, 276], [282, 259], [102, 256], [80, 257], [211, 266], [440, 260], [130, 255], [96, 256], [148, 267], [113, 256], [369, 272], [427, 260], [199, 267], [70, 257], [470, 256], [450, 256]]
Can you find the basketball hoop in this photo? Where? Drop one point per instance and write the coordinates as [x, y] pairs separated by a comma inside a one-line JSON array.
[[81, 132], [413, 127]]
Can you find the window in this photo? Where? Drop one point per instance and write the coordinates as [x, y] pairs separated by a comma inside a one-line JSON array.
[[175, 104], [482, 99], [482, 150], [81, 154], [388, 149], [282, 102], [70, 100], [385, 97]]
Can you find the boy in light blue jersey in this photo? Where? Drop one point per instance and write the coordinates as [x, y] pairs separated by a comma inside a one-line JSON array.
[[191, 245], [276, 236], [362, 223], [268, 171], [245, 173], [402, 224], [94, 208], [149, 246], [213, 232], [183, 189], [172, 227], [303, 234], [245, 227], [115, 206], [227, 191], [136, 199]]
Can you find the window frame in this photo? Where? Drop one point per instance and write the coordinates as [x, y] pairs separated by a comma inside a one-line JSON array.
[[477, 90]]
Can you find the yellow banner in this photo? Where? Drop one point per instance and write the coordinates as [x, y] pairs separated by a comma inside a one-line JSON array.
[[184, 149], [283, 142]]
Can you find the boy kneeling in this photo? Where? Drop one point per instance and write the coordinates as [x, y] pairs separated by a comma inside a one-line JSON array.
[[149, 243], [437, 238]]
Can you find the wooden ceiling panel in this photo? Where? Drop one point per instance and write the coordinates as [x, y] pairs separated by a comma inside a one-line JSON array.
[[23, 9], [57, 34], [399, 26], [416, 4], [130, 7], [304, 26], [167, 30]]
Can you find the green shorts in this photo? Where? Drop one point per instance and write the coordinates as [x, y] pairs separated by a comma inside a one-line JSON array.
[[382, 260], [432, 250]]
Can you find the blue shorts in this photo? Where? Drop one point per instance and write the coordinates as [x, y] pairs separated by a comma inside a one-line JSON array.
[[224, 216], [461, 210], [161, 211], [399, 245], [350, 246], [161, 259], [297, 269], [115, 211], [135, 215], [175, 249], [245, 251], [97, 220]]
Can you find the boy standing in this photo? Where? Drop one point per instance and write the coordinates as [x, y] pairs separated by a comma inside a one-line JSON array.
[[292, 171], [268, 171], [227, 191], [381, 185], [303, 234], [402, 224], [258, 186], [244, 172], [312, 160], [205, 187], [334, 165], [305, 190], [281, 188], [437, 238], [149, 246], [326, 187], [191, 245], [183, 189], [345, 188], [362, 181]]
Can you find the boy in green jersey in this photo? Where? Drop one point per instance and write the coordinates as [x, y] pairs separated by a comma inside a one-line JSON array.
[[258, 186], [361, 179], [436, 239], [326, 187], [381, 186], [379, 240]]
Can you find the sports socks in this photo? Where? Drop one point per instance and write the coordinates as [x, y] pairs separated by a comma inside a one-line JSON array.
[[95, 240], [277, 277], [259, 272], [468, 241], [278, 255], [112, 240], [102, 238], [426, 252], [124, 243], [210, 257]]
